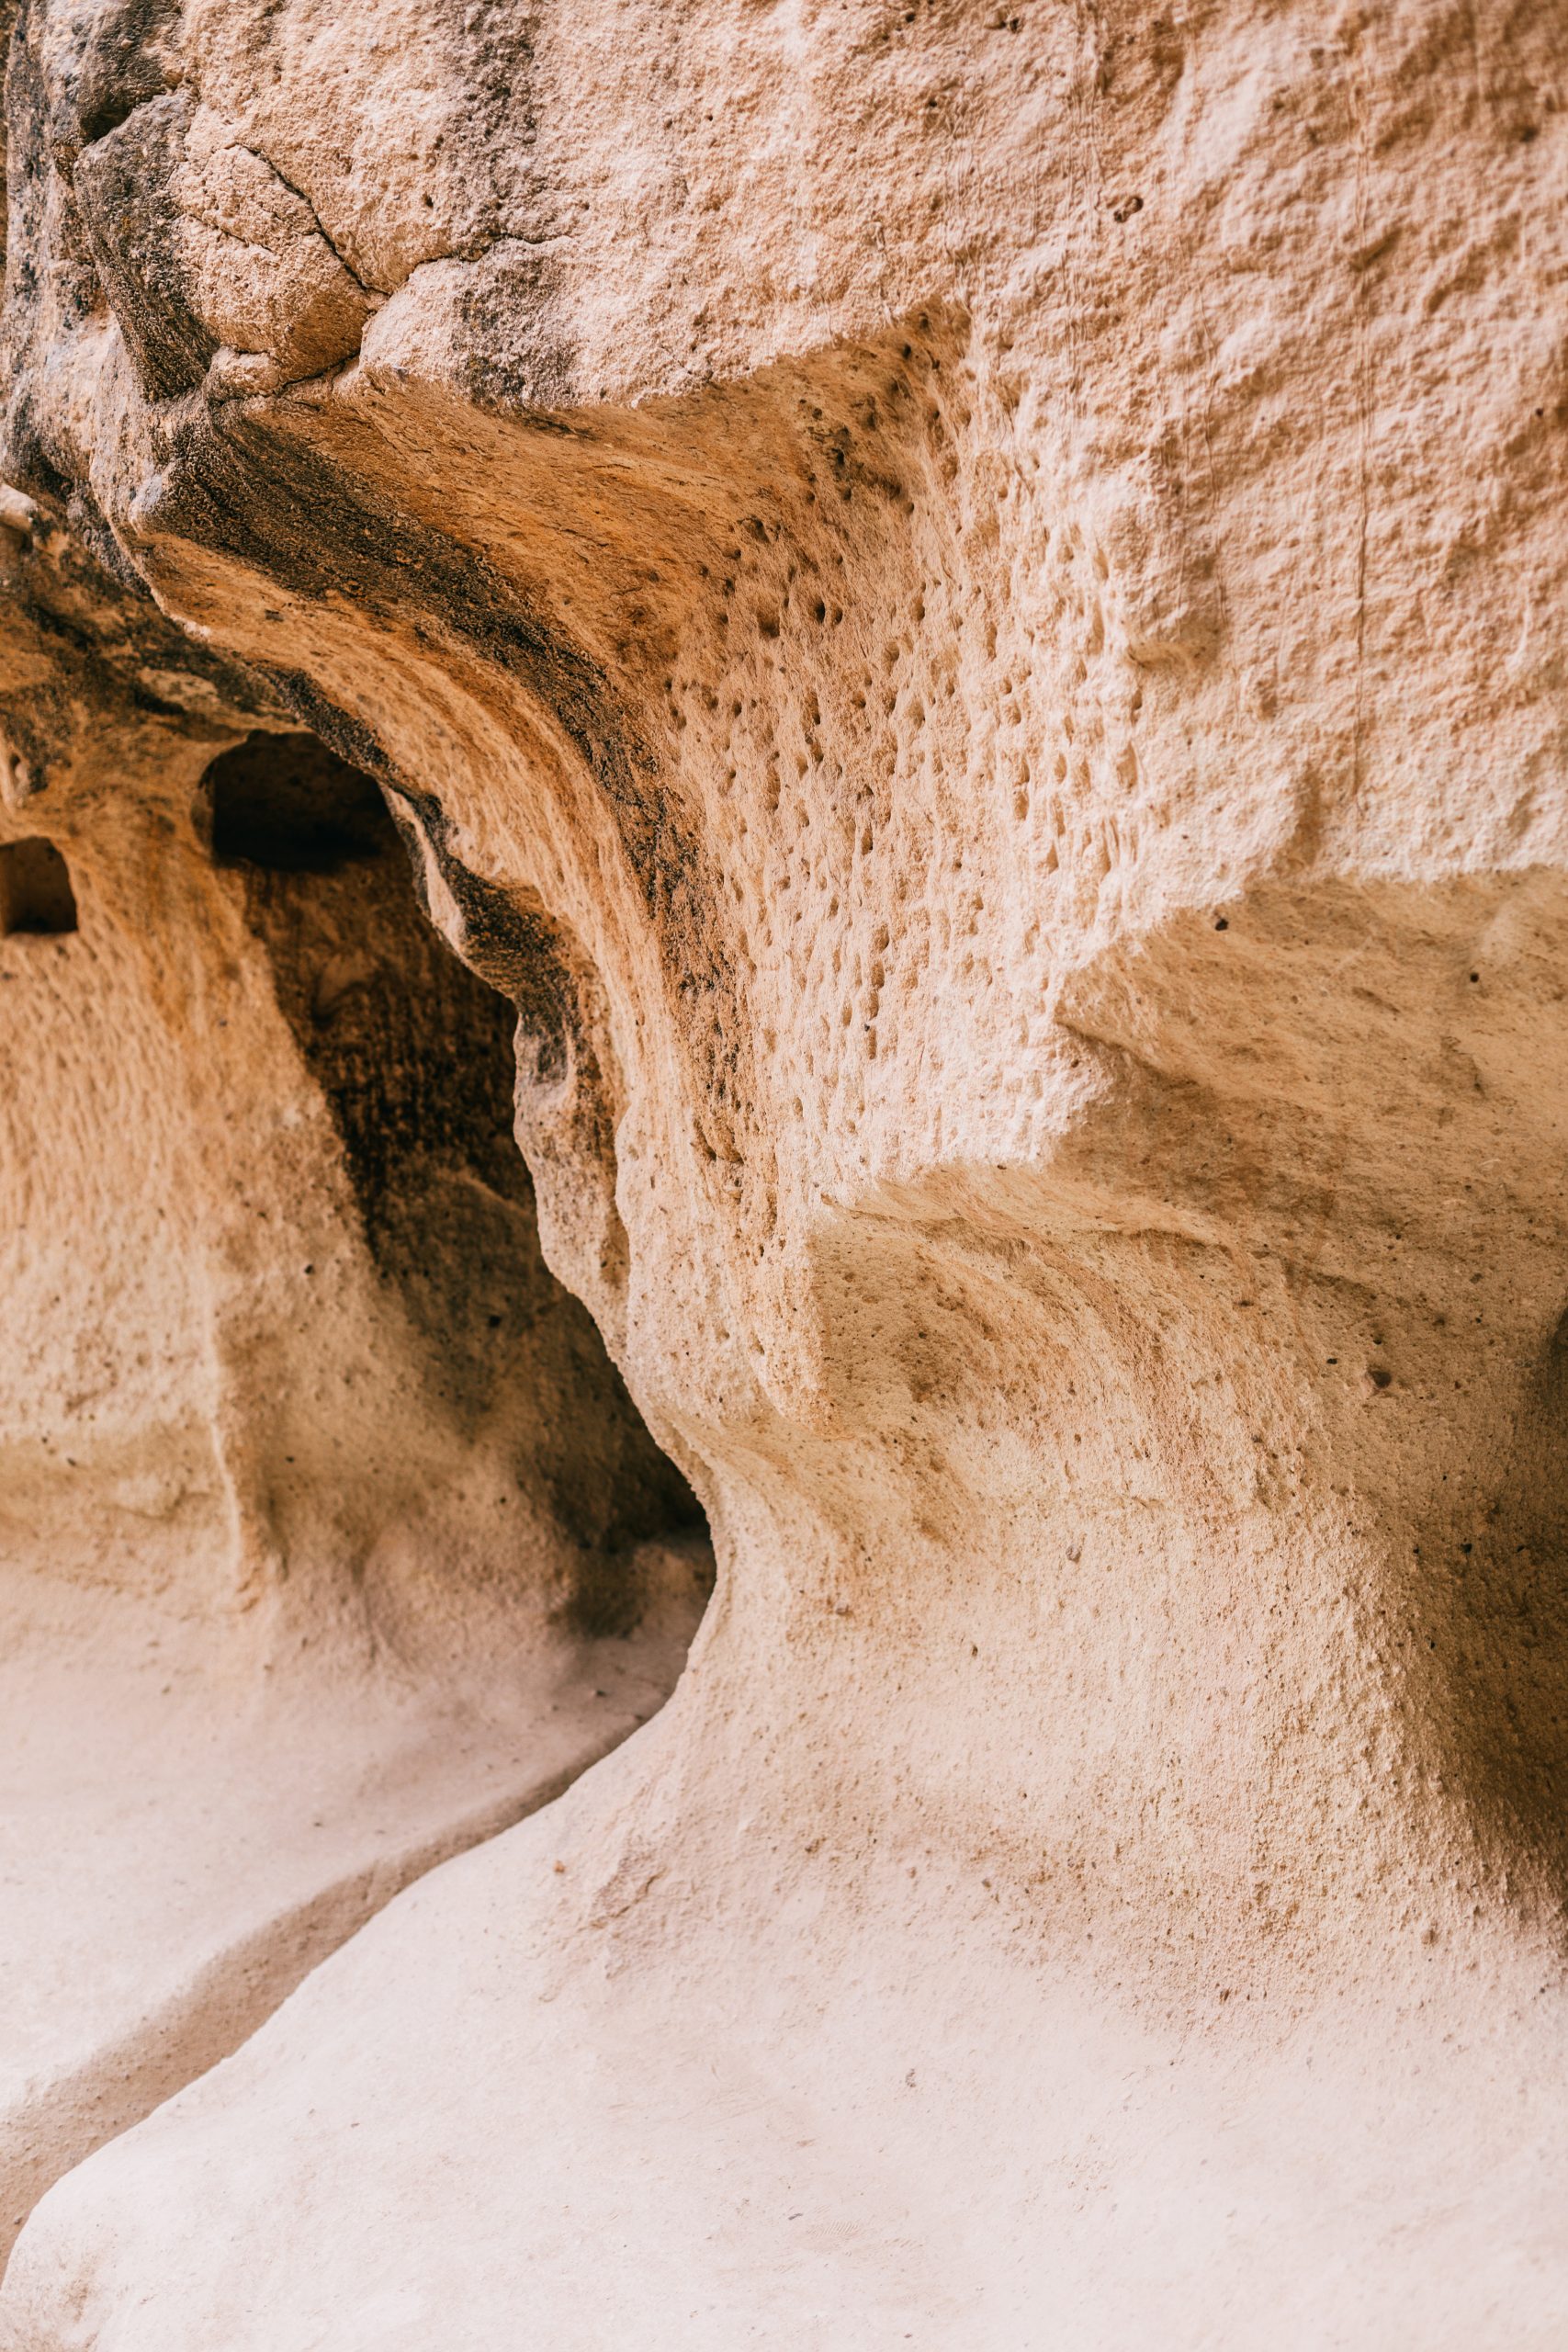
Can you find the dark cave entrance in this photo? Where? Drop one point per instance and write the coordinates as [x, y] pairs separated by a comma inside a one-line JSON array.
[[416, 1058], [36, 896]]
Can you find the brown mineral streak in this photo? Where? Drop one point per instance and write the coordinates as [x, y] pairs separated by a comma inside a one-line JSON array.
[[953, 611]]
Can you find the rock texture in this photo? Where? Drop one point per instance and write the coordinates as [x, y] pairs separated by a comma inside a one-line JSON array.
[[960, 607], [325, 1521]]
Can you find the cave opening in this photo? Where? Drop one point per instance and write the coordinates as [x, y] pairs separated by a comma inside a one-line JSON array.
[[286, 803], [416, 1058], [36, 896]]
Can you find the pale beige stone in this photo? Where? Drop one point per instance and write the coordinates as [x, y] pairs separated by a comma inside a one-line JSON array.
[[329, 1540], [961, 604]]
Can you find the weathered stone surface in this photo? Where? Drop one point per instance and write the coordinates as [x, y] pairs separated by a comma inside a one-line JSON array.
[[959, 606], [322, 1514]]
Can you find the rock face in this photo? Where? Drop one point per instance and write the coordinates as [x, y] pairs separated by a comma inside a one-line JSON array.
[[959, 606], [324, 1518]]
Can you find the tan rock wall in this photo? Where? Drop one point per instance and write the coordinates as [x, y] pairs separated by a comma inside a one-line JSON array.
[[958, 605], [322, 1512]]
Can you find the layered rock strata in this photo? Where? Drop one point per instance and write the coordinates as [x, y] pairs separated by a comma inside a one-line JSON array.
[[958, 605]]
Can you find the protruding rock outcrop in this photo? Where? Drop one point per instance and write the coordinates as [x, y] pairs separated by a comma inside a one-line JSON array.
[[956, 605]]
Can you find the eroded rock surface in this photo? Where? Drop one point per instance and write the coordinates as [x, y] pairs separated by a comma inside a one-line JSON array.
[[959, 606], [329, 1539]]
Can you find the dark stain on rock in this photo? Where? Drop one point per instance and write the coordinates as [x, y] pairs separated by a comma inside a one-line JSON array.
[[122, 68], [517, 947], [414, 1055], [111, 655], [350, 738], [412, 1050], [262, 498], [132, 223], [516, 356], [241, 490]]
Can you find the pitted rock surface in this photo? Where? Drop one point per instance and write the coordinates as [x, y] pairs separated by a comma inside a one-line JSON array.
[[958, 607]]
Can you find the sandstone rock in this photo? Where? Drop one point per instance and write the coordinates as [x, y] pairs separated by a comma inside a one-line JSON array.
[[320, 1508], [958, 605]]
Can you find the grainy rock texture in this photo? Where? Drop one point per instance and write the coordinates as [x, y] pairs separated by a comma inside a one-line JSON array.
[[323, 1517], [962, 608]]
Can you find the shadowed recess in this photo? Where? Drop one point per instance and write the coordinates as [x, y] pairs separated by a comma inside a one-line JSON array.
[[35, 889], [416, 1058]]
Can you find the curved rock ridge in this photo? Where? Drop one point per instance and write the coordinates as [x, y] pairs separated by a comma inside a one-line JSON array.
[[957, 604], [331, 1541]]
